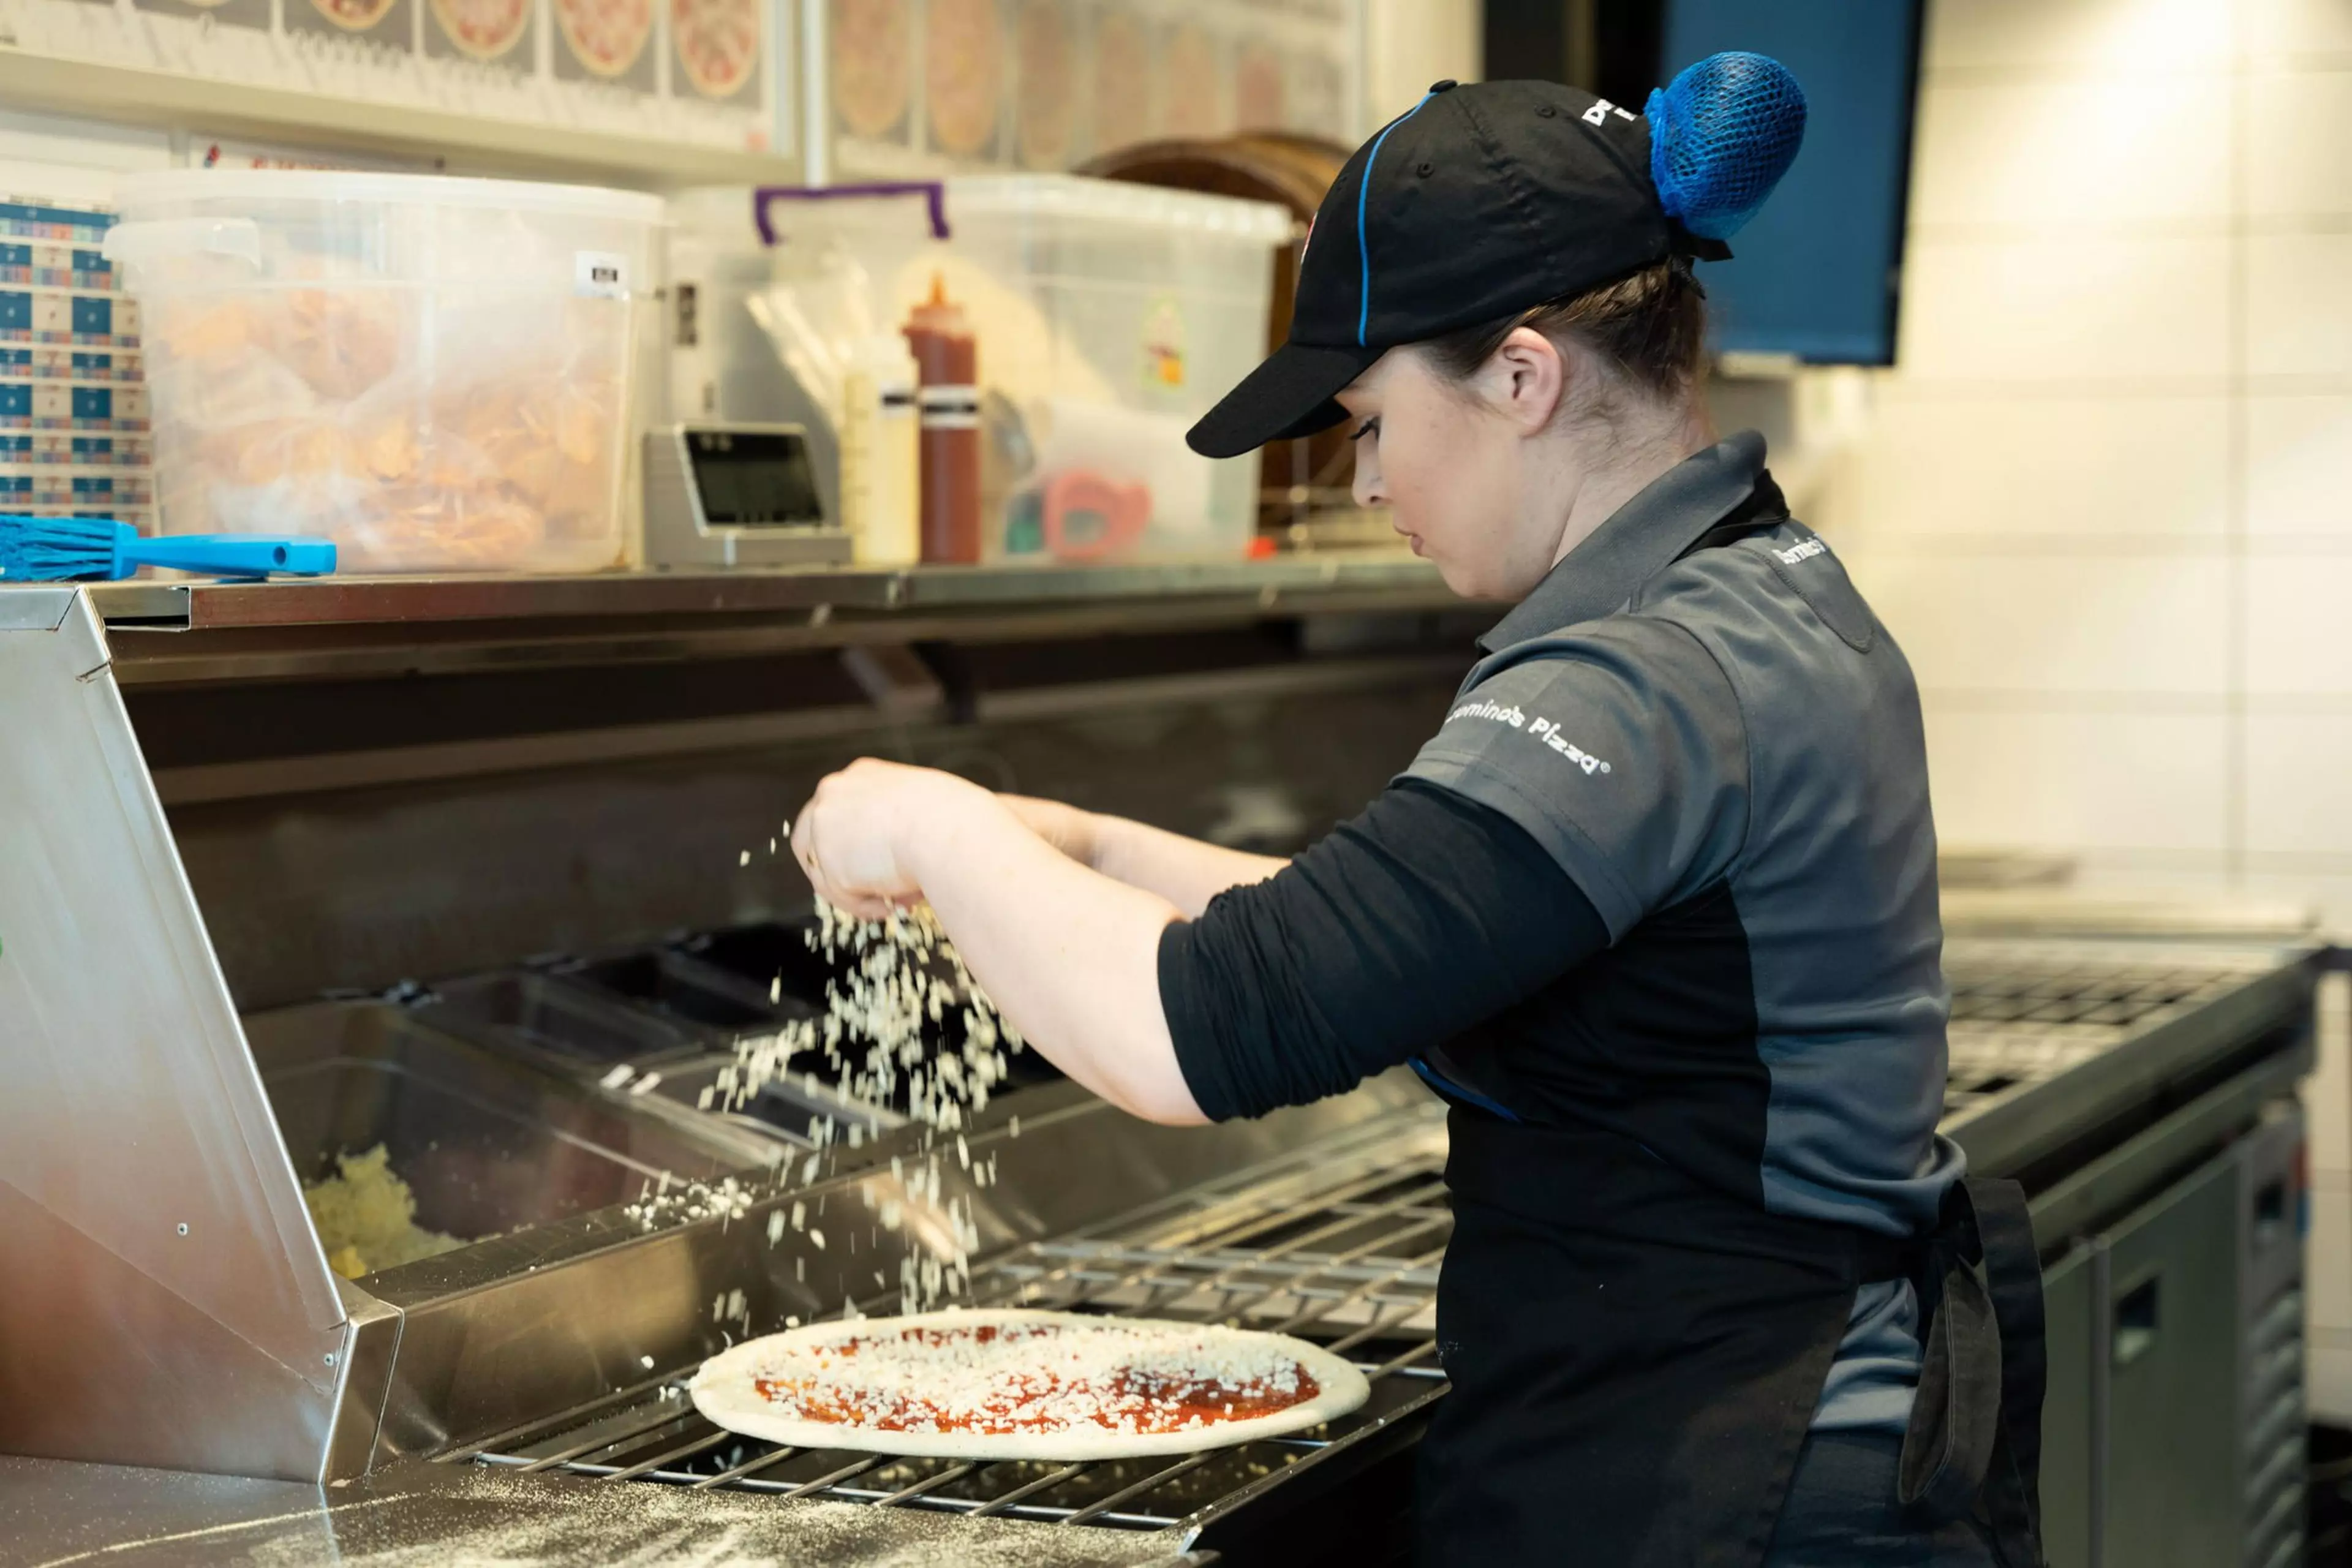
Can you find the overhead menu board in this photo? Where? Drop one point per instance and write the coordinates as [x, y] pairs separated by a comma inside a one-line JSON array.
[[707, 74], [1048, 84]]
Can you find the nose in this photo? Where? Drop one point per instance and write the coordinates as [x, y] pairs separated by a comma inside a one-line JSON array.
[[1368, 488]]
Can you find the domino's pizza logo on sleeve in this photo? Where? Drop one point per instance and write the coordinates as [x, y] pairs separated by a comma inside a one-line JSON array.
[[1535, 727]]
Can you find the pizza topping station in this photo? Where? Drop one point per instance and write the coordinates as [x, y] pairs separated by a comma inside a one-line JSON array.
[[1120, 1377]]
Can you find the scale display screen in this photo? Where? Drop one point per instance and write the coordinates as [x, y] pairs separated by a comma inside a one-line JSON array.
[[755, 479]]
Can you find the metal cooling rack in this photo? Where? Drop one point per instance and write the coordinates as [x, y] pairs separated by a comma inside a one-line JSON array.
[[1339, 1245], [2021, 1018]]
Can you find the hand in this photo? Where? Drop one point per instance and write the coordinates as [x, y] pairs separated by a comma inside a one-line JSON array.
[[855, 837]]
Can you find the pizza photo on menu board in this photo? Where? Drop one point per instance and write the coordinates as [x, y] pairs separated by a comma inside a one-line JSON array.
[[1023, 1385], [873, 65], [1195, 101], [606, 37], [1123, 83], [483, 29], [352, 15], [1048, 100], [718, 43], [963, 75], [1257, 90]]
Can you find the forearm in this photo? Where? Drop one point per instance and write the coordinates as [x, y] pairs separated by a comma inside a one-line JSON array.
[[1186, 872], [1068, 954]]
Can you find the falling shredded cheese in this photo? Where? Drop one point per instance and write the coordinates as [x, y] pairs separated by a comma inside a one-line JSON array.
[[894, 982]]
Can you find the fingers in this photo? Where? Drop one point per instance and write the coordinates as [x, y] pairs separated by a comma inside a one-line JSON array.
[[804, 837], [863, 907], [833, 840]]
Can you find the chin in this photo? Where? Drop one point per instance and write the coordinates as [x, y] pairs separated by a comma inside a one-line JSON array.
[[1463, 579]]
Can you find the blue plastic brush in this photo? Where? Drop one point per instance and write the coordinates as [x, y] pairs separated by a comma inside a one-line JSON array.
[[97, 549]]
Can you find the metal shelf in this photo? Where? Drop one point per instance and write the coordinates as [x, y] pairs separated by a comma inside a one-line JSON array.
[[129, 94], [360, 628], [348, 601]]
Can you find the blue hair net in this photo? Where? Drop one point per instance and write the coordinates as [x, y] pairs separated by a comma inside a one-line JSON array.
[[1721, 135]]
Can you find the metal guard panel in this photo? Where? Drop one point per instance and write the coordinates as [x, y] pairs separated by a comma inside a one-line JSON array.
[[168, 1303]]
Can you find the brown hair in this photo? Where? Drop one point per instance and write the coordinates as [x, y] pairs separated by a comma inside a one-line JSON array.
[[1649, 328]]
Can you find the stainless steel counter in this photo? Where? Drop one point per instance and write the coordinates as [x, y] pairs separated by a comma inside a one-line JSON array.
[[1331, 1217], [54, 1513]]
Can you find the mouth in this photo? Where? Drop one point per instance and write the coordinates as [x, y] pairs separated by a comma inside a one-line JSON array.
[[1411, 539]]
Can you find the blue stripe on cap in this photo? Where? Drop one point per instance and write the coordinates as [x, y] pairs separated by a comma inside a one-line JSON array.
[[1364, 187]]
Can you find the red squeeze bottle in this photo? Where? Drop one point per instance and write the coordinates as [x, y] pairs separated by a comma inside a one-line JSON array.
[[947, 359]]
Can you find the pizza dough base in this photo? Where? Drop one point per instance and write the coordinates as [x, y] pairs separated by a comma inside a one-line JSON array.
[[723, 1391]]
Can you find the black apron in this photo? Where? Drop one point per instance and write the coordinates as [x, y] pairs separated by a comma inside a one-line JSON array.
[[1635, 1358]]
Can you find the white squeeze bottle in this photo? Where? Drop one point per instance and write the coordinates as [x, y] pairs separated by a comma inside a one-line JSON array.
[[880, 472]]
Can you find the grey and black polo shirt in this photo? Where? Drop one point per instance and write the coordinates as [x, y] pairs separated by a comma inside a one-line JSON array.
[[1668, 869], [1727, 736]]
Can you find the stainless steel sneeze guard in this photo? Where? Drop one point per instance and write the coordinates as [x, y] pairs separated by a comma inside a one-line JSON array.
[[160, 1261]]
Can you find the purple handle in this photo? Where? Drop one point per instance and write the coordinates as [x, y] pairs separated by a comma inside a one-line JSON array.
[[933, 192]]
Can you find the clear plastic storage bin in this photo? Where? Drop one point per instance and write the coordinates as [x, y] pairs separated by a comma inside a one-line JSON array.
[[434, 372], [1108, 317]]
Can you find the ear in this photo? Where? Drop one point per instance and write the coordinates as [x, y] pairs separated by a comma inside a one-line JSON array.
[[1525, 379]]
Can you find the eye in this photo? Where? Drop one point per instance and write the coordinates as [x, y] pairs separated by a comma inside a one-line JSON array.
[[1368, 427]]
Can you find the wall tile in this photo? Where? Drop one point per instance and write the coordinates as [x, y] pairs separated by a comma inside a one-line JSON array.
[[2107, 308], [2299, 625], [2328, 1264], [2298, 308], [2050, 624], [2327, 1376], [2299, 123], [2299, 783], [2299, 466], [2288, 880], [2327, 1092], [2069, 780], [2110, 36], [1984, 154], [2297, 26], [1948, 466]]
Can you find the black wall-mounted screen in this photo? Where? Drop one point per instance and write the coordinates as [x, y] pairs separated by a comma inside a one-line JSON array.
[[755, 479], [1817, 275]]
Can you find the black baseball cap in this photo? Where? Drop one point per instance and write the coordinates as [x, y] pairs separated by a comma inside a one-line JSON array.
[[1478, 202]]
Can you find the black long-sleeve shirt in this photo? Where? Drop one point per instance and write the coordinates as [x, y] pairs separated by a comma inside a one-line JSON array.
[[1417, 921]]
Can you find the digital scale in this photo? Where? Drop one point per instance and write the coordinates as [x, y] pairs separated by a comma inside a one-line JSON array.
[[736, 495]]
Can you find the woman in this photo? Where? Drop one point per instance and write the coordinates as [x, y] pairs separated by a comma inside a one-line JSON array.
[[1655, 909]]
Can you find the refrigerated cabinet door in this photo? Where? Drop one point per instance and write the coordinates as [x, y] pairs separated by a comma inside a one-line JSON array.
[[2070, 1310], [2168, 1326]]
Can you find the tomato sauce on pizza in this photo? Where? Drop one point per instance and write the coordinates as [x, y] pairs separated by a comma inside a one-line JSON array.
[[1024, 1384], [1026, 1379]]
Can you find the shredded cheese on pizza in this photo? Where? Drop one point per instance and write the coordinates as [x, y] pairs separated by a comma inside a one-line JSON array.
[[1127, 1378]]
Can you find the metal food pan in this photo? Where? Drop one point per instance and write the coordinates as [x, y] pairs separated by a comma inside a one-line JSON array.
[[554, 1018], [783, 1108], [682, 990], [769, 953], [488, 1145]]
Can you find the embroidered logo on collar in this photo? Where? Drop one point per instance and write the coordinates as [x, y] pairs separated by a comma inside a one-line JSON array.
[[1804, 552]]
